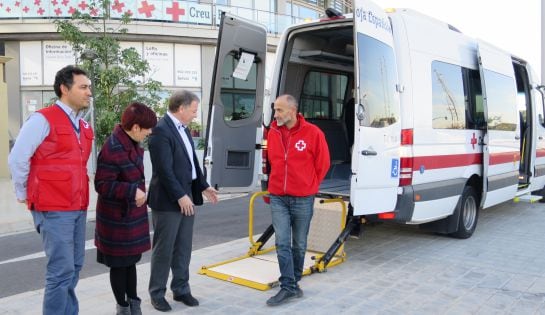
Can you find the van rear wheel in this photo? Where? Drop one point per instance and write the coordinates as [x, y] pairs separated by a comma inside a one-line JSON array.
[[468, 208]]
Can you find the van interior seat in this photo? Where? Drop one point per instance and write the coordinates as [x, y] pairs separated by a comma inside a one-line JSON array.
[[338, 144]]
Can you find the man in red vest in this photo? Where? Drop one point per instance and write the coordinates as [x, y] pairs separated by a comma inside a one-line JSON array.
[[48, 165]]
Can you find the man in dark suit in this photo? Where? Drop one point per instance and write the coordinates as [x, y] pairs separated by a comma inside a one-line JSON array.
[[177, 185]]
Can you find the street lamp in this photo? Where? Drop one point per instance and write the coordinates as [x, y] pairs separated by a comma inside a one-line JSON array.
[[91, 56]]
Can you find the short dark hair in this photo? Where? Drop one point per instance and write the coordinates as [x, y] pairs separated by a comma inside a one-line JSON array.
[[65, 77], [138, 113], [181, 98]]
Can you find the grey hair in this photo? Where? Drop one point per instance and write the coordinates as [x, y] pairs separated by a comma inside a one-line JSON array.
[[181, 98], [290, 100]]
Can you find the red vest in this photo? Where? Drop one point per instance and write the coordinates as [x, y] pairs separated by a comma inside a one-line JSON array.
[[58, 169]]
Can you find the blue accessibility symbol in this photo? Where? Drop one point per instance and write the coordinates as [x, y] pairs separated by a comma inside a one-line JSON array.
[[394, 172]]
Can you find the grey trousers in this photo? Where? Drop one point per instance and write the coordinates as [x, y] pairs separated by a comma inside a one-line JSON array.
[[172, 245]]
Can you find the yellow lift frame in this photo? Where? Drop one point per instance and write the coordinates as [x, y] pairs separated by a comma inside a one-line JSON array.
[[333, 257]]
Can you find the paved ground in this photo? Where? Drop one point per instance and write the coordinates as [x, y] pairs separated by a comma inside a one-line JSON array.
[[392, 269]]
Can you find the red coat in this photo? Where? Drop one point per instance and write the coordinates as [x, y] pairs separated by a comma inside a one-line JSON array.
[[58, 169], [297, 168], [122, 228]]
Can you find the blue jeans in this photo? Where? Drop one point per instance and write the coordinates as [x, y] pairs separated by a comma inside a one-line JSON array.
[[291, 221], [63, 238]]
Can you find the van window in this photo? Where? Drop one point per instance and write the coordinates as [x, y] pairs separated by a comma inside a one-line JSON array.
[[378, 78], [237, 95], [501, 97], [448, 109], [475, 107], [323, 95], [540, 106]]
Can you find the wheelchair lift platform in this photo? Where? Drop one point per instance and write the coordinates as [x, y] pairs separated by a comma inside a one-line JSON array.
[[259, 269]]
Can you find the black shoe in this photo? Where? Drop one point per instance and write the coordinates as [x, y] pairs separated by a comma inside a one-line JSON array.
[[161, 304], [187, 299], [298, 292], [281, 297]]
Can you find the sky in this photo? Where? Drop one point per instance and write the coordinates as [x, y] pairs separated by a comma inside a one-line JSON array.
[[513, 26]]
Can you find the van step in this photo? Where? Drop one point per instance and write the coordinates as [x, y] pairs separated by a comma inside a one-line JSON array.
[[527, 198]]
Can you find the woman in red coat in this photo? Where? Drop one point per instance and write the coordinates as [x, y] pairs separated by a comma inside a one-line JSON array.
[[122, 229]]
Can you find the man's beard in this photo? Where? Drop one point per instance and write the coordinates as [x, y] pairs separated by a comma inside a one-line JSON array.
[[281, 123]]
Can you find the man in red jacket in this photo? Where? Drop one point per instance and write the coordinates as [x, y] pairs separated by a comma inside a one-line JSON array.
[[299, 160]]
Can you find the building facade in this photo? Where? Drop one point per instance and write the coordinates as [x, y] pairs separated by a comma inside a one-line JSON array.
[[177, 38]]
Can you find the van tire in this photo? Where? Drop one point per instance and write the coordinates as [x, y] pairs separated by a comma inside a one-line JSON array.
[[468, 208]]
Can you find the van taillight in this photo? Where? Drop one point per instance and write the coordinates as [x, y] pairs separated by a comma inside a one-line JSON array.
[[406, 167], [387, 215], [406, 137], [264, 158]]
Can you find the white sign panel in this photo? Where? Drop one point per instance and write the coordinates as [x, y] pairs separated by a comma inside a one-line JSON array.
[[243, 67], [161, 60], [57, 55], [371, 20], [197, 13], [188, 65], [31, 63]]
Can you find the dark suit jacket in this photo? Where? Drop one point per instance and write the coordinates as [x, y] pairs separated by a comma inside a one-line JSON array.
[[171, 177]]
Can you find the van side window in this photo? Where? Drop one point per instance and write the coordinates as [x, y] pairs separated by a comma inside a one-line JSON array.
[[238, 96], [501, 95], [378, 79], [323, 95], [448, 97], [474, 96]]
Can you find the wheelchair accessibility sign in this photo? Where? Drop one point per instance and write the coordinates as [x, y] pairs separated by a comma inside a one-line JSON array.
[[394, 172]]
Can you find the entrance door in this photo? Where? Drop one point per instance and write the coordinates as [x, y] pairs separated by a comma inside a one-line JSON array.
[[236, 105], [501, 142], [375, 156]]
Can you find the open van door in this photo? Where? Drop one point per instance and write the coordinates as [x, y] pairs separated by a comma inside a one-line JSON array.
[[376, 151], [236, 105], [501, 139]]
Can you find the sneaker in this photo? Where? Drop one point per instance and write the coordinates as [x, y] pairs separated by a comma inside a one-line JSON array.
[[281, 297]]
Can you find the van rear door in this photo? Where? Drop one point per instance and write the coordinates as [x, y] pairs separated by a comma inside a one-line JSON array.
[[236, 105], [375, 155], [501, 142]]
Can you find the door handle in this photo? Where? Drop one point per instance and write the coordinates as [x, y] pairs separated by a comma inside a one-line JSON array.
[[368, 152], [517, 137], [540, 138]]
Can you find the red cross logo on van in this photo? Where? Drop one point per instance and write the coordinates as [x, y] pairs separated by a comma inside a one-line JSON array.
[[300, 145], [473, 141]]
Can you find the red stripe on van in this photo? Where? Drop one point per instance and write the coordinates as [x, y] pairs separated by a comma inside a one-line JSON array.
[[540, 152], [458, 160], [446, 161], [504, 157]]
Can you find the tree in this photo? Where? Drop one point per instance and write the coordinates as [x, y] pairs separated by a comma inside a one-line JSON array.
[[118, 74]]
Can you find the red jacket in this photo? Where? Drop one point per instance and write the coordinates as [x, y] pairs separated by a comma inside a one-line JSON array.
[[297, 168], [58, 169]]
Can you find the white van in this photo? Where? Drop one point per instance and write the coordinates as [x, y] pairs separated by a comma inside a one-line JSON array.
[[425, 125]]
